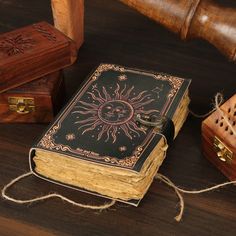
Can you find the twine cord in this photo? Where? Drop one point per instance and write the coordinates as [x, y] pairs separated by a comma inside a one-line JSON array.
[[217, 103], [179, 191], [159, 176], [218, 100], [52, 195]]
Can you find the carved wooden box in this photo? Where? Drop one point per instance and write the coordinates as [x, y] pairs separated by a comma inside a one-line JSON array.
[[34, 102], [219, 141], [32, 52]]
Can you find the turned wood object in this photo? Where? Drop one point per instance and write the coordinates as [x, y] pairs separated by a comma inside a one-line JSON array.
[[203, 19], [219, 141], [69, 18]]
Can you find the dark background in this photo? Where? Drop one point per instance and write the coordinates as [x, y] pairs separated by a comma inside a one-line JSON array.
[[116, 34]]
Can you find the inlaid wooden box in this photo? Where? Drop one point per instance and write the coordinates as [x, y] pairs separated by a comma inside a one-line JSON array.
[[31, 52], [34, 102], [219, 141]]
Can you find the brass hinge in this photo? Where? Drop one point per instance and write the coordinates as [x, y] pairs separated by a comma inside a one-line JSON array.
[[222, 151], [21, 105]]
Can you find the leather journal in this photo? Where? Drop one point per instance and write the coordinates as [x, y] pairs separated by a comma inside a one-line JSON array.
[[111, 138]]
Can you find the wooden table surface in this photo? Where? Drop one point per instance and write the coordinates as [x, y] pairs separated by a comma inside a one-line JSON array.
[[116, 34]]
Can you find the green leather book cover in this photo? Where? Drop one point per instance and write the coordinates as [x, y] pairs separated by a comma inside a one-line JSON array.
[[99, 125]]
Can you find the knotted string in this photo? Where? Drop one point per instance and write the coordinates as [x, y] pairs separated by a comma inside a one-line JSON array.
[[163, 178], [218, 100], [159, 176]]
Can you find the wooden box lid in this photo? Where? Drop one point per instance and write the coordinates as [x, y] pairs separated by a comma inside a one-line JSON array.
[[219, 141], [35, 102], [32, 52]]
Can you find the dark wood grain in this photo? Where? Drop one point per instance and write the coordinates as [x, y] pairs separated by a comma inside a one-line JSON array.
[[215, 126], [194, 19], [116, 34], [48, 94], [31, 52]]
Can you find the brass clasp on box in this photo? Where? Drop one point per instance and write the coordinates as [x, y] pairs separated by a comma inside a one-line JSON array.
[[222, 151], [21, 105]]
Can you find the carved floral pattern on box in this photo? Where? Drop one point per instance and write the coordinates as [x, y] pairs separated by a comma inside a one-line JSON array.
[[45, 32], [16, 45]]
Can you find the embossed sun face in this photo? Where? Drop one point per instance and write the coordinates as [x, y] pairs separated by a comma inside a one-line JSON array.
[[115, 112], [111, 113]]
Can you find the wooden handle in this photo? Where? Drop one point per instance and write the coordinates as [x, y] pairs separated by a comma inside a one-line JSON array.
[[194, 19], [69, 18]]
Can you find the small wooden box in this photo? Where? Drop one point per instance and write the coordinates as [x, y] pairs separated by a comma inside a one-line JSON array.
[[218, 140], [31, 52], [34, 102]]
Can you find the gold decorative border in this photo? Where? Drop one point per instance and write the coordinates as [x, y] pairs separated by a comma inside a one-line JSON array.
[[47, 142]]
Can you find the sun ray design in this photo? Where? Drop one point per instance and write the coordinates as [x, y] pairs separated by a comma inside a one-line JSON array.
[[112, 112], [127, 95], [99, 95], [104, 129], [117, 92], [126, 131], [137, 97], [122, 91]]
